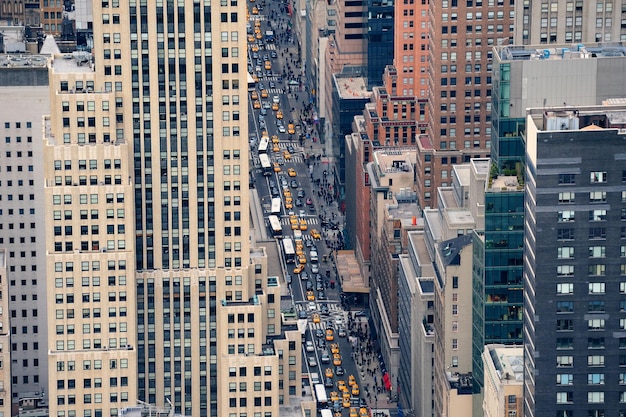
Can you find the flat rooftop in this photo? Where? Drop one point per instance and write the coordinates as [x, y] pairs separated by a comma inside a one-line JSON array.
[[599, 117], [72, 62], [23, 61], [393, 161], [352, 87], [560, 52], [508, 362]]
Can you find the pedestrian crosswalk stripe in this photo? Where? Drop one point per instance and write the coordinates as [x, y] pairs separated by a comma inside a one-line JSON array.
[[270, 46], [275, 91]]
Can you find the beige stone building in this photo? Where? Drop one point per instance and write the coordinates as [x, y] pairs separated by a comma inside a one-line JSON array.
[[149, 140], [92, 338], [504, 373]]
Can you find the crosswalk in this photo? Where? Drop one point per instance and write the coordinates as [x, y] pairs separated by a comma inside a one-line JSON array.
[[334, 310], [270, 46], [284, 221], [275, 91]]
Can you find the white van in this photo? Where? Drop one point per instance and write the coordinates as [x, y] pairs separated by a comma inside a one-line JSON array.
[[313, 256], [276, 99]]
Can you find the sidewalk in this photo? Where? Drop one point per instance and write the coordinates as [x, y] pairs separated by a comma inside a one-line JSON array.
[[365, 357]]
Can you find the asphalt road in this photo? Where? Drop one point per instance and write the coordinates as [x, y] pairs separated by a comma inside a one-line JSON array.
[[291, 107]]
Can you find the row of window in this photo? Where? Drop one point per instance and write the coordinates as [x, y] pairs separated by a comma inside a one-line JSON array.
[[87, 281], [592, 288], [94, 297], [592, 397], [592, 270], [595, 233], [97, 398], [18, 125], [63, 345], [592, 324], [95, 327]]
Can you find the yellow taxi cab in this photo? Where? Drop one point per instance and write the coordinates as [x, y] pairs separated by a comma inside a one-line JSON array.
[[275, 139], [355, 390], [259, 36], [279, 114], [292, 172], [299, 251], [329, 373], [334, 396], [299, 243], [287, 192], [291, 129], [252, 1], [268, 65], [310, 296], [293, 219], [256, 104], [341, 386], [264, 94], [353, 412], [276, 167], [316, 318], [286, 155], [334, 348], [298, 269], [337, 414], [255, 78], [330, 335], [257, 23], [337, 359], [303, 225], [250, 38], [288, 203], [315, 234], [351, 380], [363, 412], [302, 260], [255, 48], [255, 10], [254, 95], [275, 106], [276, 148], [264, 134], [345, 401]]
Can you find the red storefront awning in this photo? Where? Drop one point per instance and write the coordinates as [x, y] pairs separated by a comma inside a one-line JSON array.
[[387, 382]]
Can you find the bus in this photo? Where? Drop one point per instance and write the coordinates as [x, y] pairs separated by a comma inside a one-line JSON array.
[[275, 227], [266, 165], [320, 395], [264, 145], [277, 205], [289, 250], [251, 83]]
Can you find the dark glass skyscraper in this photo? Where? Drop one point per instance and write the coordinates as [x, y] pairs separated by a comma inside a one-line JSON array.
[[380, 32]]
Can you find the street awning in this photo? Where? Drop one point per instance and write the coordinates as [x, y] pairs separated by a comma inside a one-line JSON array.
[[387, 381]]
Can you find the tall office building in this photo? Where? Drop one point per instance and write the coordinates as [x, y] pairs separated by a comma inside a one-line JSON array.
[[559, 75], [461, 36], [380, 34], [567, 21], [575, 262], [24, 99], [148, 155]]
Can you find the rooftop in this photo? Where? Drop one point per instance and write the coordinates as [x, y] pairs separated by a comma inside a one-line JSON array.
[[352, 87], [602, 117], [559, 52], [394, 160], [74, 62], [23, 61], [508, 362], [450, 250]]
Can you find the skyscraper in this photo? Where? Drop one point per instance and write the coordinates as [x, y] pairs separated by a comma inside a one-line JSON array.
[[575, 262], [461, 37], [24, 99], [163, 109]]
